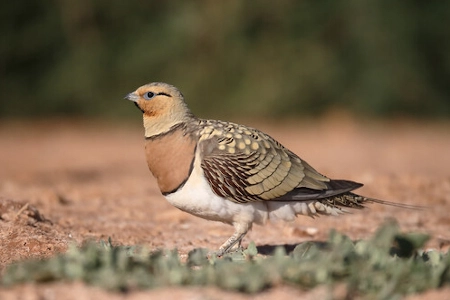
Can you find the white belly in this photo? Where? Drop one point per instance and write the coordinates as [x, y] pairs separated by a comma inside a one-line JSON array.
[[196, 197]]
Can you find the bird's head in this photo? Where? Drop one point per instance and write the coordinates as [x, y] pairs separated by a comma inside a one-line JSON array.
[[163, 107]]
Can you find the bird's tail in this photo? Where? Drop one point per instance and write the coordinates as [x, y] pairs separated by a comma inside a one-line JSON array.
[[352, 200]]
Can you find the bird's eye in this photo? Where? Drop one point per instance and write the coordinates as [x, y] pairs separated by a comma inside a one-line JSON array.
[[149, 95]]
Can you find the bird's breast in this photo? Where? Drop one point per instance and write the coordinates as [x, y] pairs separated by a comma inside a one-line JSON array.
[[170, 159]]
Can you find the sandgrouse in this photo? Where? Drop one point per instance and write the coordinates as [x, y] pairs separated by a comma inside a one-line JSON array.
[[231, 173]]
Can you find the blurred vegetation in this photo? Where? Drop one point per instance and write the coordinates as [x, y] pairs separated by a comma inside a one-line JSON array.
[[386, 266], [244, 58]]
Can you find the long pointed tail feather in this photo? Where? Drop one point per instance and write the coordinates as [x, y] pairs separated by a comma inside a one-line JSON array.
[[353, 200], [402, 205]]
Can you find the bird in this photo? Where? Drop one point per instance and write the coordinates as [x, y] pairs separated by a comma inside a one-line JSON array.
[[238, 175]]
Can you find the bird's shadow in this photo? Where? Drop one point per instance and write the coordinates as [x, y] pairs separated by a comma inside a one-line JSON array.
[[288, 248]]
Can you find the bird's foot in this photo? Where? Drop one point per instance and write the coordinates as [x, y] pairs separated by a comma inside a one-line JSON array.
[[237, 248]]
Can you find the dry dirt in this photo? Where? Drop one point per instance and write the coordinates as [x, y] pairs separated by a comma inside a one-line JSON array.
[[68, 182]]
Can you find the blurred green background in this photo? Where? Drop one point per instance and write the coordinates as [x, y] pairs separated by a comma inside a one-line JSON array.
[[230, 58]]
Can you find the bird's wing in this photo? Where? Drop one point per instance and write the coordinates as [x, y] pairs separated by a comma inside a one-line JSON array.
[[244, 164]]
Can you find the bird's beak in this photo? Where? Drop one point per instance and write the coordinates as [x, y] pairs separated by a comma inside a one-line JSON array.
[[132, 97]]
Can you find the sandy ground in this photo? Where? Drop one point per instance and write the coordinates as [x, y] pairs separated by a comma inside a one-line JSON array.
[[67, 182]]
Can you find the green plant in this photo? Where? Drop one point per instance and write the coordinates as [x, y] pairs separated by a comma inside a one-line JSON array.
[[389, 264]]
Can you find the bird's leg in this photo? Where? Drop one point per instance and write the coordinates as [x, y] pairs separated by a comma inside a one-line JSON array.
[[239, 246], [226, 247], [240, 232]]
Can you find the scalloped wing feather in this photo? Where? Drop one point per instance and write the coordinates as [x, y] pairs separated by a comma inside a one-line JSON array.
[[243, 165]]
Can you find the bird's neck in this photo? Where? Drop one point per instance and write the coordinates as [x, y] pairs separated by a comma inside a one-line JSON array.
[[156, 125]]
